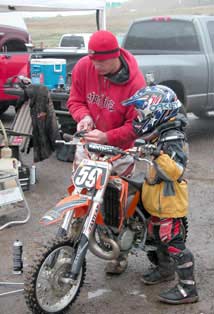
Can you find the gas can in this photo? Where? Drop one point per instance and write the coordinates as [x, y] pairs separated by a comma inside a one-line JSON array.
[[17, 257], [61, 82], [33, 174]]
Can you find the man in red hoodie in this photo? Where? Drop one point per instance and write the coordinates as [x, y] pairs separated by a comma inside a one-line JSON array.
[[100, 82]]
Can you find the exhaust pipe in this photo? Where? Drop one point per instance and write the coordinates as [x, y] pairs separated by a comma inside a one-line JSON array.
[[99, 252]]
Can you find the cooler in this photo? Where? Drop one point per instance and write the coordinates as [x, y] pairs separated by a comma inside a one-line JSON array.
[[48, 72]]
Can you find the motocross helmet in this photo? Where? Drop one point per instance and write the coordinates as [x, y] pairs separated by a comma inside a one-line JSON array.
[[155, 105]]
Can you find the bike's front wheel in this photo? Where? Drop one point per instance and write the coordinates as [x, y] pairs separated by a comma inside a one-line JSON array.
[[47, 286]]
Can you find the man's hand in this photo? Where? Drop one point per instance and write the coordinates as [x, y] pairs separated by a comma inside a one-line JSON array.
[[96, 136], [86, 124]]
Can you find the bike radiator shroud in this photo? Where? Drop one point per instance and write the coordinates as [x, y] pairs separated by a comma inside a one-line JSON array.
[[112, 204]]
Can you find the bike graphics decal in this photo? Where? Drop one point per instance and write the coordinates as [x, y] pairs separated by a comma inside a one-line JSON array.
[[57, 213]]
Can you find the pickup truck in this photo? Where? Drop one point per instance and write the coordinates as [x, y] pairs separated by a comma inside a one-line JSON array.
[[19, 64], [14, 38], [178, 51], [78, 41]]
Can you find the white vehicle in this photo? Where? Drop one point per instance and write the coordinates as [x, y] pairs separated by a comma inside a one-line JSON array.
[[76, 41]]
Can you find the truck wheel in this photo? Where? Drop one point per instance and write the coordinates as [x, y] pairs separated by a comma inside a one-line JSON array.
[[183, 110], [201, 114], [3, 107]]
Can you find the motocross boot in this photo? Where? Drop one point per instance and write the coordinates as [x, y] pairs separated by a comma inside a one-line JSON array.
[[118, 266], [165, 271], [185, 291]]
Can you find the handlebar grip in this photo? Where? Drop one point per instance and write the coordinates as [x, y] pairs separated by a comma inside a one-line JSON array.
[[80, 133], [156, 152], [104, 149], [59, 141], [67, 137]]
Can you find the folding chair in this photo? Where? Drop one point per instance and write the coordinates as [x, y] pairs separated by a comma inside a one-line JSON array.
[[18, 138], [21, 129], [11, 192], [10, 187]]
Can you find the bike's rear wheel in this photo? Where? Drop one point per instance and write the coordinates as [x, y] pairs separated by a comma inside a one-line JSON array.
[[46, 290]]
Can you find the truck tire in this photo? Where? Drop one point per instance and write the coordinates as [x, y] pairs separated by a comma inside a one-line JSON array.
[[3, 107], [182, 110], [202, 114]]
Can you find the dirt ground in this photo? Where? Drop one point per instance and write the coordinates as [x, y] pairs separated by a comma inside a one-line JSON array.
[[124, 294]]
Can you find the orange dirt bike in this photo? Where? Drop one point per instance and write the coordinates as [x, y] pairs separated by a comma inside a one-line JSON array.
[[103, 213]]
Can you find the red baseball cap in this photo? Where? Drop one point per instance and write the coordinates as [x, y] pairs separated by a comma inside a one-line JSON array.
[[103, 45]]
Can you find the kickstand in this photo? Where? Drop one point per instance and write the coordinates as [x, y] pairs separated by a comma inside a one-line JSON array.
[[8, 283]]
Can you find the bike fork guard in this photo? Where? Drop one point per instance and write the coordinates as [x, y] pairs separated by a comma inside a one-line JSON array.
[[84, 240]]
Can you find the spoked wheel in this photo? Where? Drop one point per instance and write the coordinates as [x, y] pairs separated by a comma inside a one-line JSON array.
[[47, 287], [152, 255]]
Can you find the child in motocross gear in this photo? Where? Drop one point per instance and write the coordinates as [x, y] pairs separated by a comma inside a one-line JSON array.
[[164, 191]]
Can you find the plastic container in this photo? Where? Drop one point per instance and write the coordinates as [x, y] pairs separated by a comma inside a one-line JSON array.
[[48, 71], [17, 257], [24, 177], [33, 174]]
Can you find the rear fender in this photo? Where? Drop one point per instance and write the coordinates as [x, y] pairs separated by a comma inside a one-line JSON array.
[[78, 203]]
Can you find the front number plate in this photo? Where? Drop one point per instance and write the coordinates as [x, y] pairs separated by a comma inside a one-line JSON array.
[[87, 174]]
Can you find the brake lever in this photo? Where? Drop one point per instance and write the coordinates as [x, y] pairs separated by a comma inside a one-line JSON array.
[[80, 133]]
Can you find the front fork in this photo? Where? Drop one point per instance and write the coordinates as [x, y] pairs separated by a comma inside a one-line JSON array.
[[61, 232], [82, 249], [64, 228]]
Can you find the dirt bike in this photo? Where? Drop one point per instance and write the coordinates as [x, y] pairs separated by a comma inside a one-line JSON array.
[[103, 213]]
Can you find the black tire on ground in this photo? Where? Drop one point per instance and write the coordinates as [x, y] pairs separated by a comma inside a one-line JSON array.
[[202, 114], [183, 110], [3, 107]]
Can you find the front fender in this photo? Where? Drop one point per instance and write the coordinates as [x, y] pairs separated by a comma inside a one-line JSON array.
[[78, 203]]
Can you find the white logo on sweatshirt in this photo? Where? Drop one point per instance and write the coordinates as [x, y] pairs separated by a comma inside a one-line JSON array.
[[101, 101]]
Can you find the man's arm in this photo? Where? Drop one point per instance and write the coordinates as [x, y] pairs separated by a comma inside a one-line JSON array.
[[76, 103]]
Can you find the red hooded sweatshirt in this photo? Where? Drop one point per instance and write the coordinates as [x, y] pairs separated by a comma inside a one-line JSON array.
[[96, 95]]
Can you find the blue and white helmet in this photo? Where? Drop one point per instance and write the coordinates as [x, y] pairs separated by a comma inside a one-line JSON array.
[[155, 105]]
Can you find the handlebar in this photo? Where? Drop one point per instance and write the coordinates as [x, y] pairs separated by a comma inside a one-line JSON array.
[[104, 149], [140, 151]]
